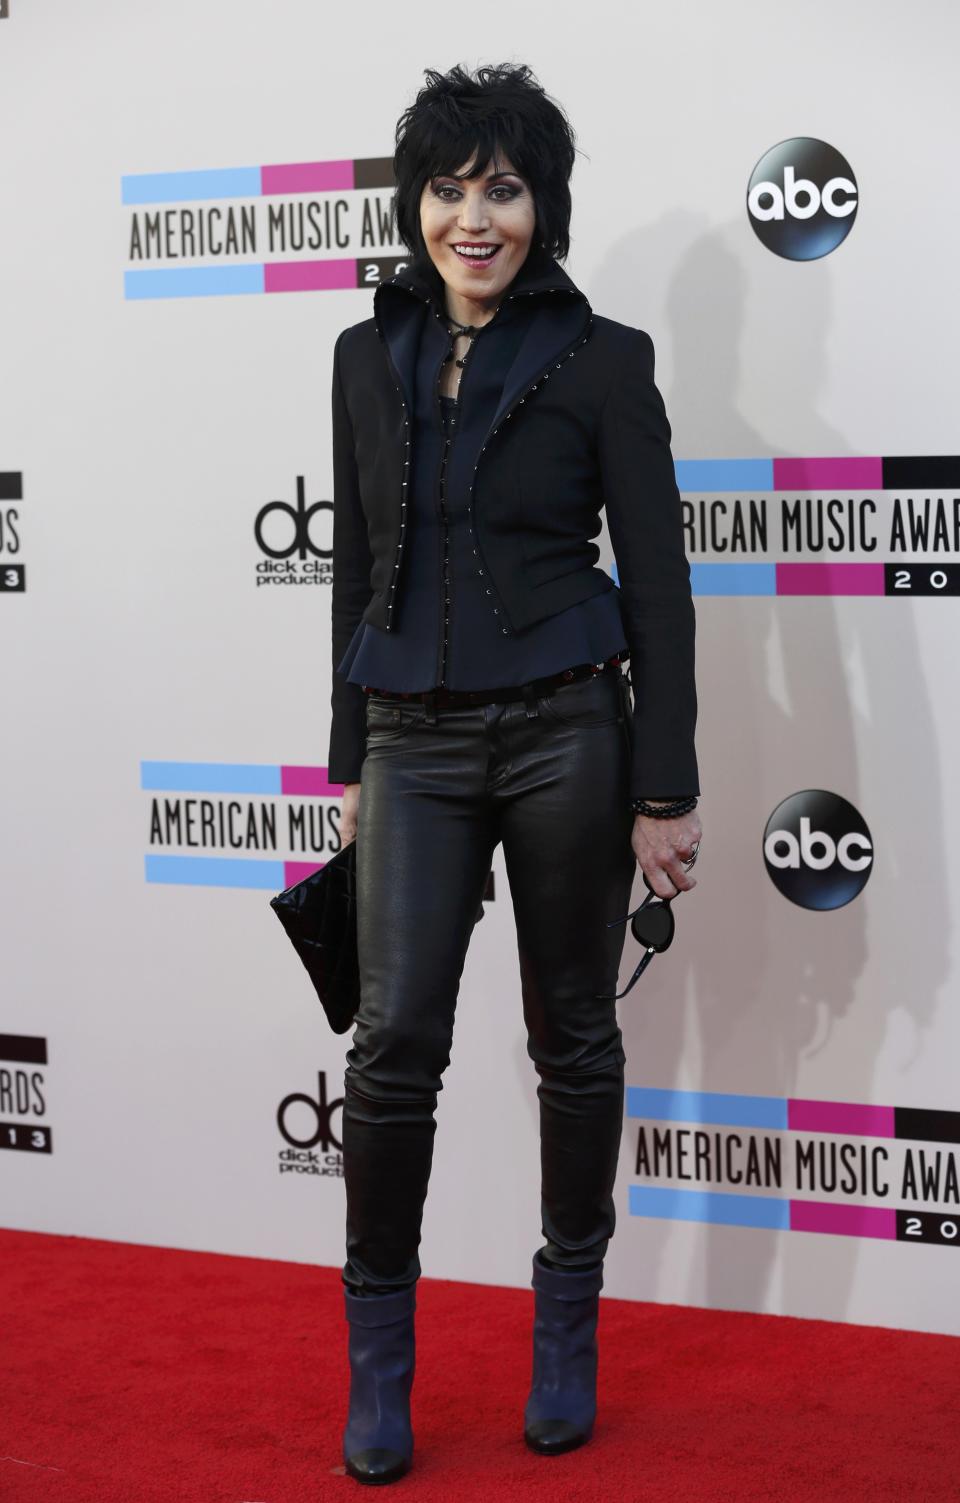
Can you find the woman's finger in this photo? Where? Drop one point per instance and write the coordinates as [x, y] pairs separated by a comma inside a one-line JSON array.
[[660, 880]]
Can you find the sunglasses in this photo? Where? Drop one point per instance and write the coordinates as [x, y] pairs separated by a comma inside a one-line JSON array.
[[653, 926]]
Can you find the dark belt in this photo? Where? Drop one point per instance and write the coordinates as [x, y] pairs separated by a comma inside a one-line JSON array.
[[536, 688]]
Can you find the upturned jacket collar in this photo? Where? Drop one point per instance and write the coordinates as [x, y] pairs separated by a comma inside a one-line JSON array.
[[539, 273], [559, 318]]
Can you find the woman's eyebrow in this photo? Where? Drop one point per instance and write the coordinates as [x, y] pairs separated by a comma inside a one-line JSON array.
[[488, 177]]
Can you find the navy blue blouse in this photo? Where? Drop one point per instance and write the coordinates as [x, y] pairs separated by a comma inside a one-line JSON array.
[[445, 632]]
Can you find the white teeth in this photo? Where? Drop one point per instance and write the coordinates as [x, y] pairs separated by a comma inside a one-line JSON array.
[[475, 254]]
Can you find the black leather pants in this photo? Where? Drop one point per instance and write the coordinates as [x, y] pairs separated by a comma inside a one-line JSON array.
[[437, 796]]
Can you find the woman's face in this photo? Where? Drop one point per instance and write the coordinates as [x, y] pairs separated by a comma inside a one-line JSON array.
[[494, 213]]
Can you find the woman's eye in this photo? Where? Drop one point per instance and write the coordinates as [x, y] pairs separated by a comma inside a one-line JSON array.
[[495, 193]]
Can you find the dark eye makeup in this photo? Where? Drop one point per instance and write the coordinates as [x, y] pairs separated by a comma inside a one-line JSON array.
[[511, 190]]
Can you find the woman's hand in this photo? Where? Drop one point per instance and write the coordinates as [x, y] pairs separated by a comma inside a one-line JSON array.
[[660, 845], [349, 811]]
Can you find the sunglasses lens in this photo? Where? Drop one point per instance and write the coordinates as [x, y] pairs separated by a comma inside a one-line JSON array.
[[653, 927]]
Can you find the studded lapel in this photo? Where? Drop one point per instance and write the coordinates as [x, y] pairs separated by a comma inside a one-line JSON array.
[[556, 324]]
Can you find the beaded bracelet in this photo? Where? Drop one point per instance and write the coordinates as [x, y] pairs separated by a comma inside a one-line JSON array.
[[665, 811]]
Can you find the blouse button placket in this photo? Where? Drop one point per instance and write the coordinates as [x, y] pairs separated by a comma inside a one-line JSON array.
[[545, 376], [403, 508], [446, 561]]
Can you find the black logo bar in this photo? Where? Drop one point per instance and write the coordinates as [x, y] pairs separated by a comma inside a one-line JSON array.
[[920, 578], [921, 473], [926, 1126], [373, 172], [19, 1135], [928, 1226], [23, 1049]]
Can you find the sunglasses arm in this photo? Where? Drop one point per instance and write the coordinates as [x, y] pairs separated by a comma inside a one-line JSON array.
[[647, 957], [612, 923]]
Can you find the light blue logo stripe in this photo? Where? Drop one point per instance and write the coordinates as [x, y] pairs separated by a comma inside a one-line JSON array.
[[211, 777], [726, 579], [708, 475], [215, 871], [710, 1205], [715, 1107], [193, 281], [733, 579], [177, 187]]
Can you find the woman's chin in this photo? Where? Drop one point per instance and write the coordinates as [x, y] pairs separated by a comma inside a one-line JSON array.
[[477, 282]]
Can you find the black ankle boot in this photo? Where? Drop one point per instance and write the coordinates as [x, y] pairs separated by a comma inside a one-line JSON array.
[[378, 1440], [562, 1405]]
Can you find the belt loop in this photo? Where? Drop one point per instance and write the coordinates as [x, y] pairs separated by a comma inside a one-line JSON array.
[[530, 700], [430, 703]]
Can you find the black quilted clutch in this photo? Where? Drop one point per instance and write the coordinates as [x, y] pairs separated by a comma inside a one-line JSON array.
[[320, 917]]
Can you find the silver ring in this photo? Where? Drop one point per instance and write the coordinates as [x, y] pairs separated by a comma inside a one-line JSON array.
[[691, 859]]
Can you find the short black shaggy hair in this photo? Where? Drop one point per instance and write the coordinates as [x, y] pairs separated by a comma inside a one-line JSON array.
[[499, 108]]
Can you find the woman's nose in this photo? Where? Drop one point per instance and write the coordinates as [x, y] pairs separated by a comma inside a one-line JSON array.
[[473, 214]]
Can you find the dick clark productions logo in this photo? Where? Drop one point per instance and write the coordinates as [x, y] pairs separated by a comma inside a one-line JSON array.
[[802, 199], [320, 1152], [817, 849]]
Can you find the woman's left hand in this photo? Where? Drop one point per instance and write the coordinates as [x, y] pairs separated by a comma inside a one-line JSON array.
[[661, 846]]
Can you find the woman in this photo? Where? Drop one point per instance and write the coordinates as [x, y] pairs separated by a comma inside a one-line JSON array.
[[478, 698]]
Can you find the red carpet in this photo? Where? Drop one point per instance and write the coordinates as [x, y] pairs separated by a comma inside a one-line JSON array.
[[146, 1375]]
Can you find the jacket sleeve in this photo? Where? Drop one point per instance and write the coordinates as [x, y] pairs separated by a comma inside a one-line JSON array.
[[352, 564], [644, 521]]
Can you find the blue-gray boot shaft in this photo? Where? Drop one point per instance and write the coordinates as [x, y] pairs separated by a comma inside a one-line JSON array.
[[562, 1405], [378, 1439]]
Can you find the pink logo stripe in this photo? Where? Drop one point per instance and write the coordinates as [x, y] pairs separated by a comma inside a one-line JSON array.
[[848, 472], [307, 177], [298, 871], [308, 782], [309, 276], [830, 579], [842, 1221], [841, 1116]]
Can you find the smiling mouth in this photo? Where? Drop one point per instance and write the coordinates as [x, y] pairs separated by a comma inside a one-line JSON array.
[[475, 255]]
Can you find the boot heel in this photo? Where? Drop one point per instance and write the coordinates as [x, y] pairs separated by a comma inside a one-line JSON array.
[[562, 1405], [378, 1439]]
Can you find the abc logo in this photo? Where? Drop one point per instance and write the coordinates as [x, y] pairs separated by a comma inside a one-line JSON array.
[[802, 199], [817, 849]]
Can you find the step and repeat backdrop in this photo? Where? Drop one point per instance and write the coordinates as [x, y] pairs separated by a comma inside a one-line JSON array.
[[195, 200]]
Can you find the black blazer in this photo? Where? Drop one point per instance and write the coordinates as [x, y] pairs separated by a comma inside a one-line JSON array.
[[580, 427]]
